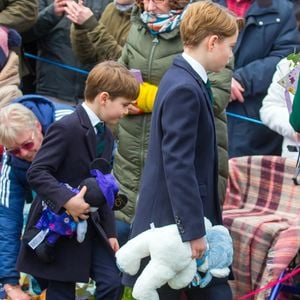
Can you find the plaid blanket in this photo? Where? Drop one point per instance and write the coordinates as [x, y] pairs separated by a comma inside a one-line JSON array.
[[261, 210]]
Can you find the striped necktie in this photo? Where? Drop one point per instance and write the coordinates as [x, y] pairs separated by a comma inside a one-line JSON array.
[[100, 138]]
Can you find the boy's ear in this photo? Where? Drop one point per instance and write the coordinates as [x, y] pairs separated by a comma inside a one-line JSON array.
[[212, 40], [103, 97]]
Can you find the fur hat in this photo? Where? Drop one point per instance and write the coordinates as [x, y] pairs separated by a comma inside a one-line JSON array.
[[9, 38]]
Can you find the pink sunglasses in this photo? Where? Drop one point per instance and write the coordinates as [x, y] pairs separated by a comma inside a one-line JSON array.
[[28, 145]]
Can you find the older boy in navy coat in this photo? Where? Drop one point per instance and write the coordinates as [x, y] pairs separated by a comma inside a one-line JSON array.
[[65, 156], [179, 184]]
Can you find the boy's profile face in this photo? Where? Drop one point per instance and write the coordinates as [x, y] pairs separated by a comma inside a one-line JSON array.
[[114, 109], [222, 52]]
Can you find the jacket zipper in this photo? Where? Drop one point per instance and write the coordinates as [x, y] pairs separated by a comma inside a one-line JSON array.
[[155, 42]]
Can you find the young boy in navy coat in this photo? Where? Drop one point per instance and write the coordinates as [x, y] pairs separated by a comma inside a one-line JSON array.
[[179, 183], [69, 147]]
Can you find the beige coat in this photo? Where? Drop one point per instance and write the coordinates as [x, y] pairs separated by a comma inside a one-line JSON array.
[[10, 80]]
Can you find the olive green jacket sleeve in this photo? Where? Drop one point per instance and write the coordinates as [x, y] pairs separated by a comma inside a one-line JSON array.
[[94, 41], [18, 14], [295, 115]]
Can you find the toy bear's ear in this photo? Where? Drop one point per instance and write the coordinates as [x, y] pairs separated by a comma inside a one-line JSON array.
[[102, 165]]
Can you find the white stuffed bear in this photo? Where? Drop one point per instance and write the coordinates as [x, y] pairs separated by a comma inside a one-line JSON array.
[[171, 260]]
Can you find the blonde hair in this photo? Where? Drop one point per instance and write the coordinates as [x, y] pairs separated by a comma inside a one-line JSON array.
[[205, 18], [113, 78], [14, 119]]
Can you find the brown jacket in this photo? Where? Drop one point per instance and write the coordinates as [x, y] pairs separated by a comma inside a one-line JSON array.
[[18, 14]]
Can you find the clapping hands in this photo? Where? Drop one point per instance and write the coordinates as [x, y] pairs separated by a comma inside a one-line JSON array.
[[77, 12]]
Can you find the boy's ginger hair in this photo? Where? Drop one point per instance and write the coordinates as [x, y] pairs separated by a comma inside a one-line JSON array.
[[113, 78], [205, 18]]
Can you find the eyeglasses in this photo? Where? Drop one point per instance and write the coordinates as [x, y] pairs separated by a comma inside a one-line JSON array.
[[154, 1], [28, 146]]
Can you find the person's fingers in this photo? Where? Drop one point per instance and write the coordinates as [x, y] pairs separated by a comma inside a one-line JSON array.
[[82, 191], [72, 7], [71, 18], [84, 217], [240, 97], [194, 254], [200, 254]]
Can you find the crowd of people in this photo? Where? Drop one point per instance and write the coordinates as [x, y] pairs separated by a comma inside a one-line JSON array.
[[161, 76]]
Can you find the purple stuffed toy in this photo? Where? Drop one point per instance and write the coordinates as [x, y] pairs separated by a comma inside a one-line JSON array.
[[102, 189]]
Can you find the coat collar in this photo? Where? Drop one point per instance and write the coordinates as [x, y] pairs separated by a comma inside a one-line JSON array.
[[180, 62], [90, 137]]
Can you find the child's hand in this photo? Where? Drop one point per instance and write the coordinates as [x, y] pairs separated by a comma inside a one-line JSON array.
[[114, 244], [198, 247], [77, 207]]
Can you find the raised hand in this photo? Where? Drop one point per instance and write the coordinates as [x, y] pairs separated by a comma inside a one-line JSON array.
[[59, 7], [77, 12]]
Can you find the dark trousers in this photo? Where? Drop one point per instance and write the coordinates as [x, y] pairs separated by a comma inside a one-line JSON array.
[[212, 292], [103, 271]]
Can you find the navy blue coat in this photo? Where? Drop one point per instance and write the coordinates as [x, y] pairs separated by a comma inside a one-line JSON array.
[[179, 183], [65, 156], [270, 33], [180, 179]]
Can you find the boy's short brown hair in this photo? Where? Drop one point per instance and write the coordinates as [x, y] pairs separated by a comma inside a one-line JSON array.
[[204, 18], [113, 78]]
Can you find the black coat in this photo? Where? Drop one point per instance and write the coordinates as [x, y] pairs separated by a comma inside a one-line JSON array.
[[65, 156]]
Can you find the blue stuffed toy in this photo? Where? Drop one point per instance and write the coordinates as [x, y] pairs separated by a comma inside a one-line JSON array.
[[217, 258]]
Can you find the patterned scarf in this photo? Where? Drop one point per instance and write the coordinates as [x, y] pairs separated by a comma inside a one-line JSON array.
[[159, 23]]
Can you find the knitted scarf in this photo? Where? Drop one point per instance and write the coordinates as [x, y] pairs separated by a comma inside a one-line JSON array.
[[159, 23]]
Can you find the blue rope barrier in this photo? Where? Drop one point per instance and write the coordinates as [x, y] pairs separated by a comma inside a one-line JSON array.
[[56, 63], [244, 118], [67, 67]]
